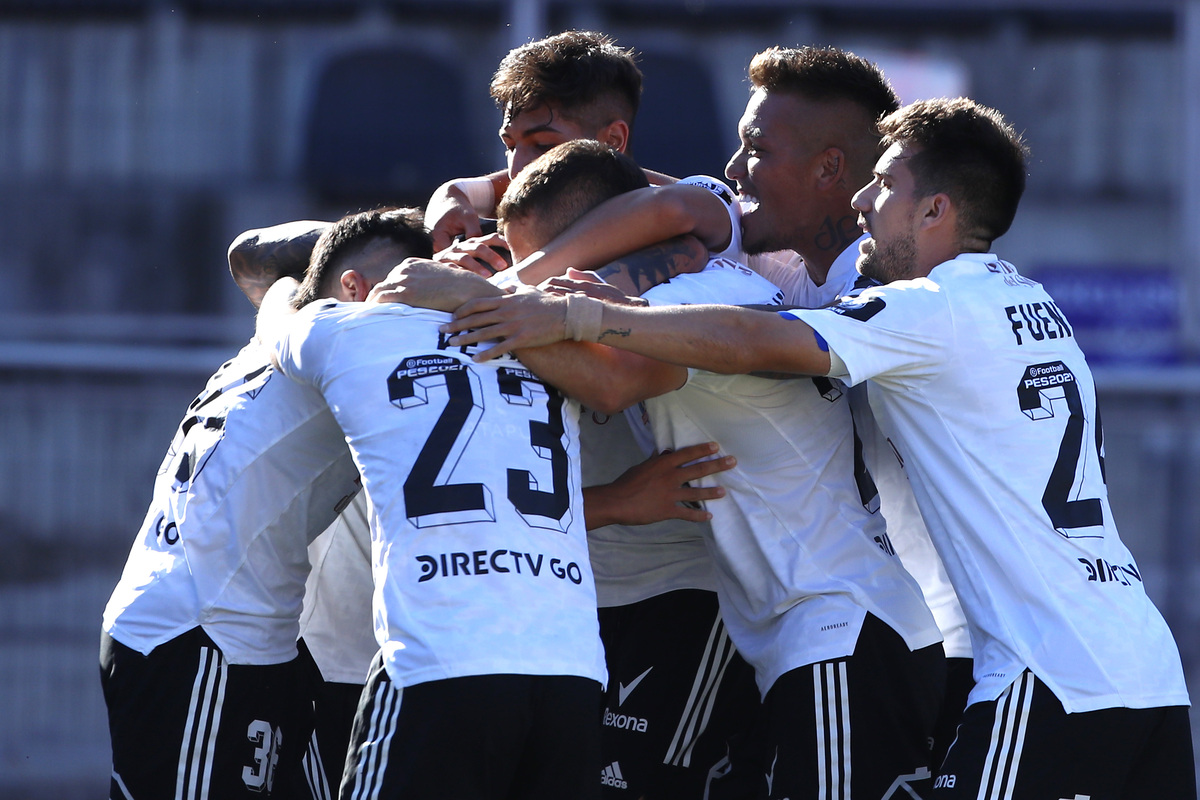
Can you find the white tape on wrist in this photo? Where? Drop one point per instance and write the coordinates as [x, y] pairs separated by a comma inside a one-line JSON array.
[[584, 316]]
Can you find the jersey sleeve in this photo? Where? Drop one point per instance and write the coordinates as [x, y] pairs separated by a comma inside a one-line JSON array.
[[301, 349], [726, 196], [897, 334], [722, 281]]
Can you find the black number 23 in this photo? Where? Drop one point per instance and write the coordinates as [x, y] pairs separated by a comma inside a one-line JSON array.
[[431, 499]]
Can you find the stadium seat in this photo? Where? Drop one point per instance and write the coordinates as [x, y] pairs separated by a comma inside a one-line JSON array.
[[386, 125], [678, 129]]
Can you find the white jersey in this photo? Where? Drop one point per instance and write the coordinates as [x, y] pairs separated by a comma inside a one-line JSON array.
[[800, 561], [633, 563], [905, 527], [636, 562], [978, 380], [257, 469], [336, 622], [472, 478]]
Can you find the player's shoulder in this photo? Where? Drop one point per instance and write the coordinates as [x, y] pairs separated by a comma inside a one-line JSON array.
[[718, 188], [723, 280]]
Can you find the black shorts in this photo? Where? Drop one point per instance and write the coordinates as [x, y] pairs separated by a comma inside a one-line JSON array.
[[959, 683], [488, 736], [325, 760], [1023, 745], [186, 724], [679, 699], [855, 727]]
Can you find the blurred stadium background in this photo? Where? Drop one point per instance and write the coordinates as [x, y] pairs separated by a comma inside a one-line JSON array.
[[137, 137]]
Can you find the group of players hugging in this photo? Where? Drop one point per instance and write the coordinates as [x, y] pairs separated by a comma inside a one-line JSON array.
[[661, 489]]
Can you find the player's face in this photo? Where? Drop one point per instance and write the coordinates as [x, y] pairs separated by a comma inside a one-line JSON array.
[[887, 209], [772, 169], [528, 134]]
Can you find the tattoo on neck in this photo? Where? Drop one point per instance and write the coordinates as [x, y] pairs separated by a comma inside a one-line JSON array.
[[837, 234]]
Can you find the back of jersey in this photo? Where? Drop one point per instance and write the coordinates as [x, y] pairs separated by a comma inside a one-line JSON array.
[[472, 473], [256, 470], [992, 404]]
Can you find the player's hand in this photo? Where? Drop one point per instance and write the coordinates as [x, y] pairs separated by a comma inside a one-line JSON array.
[[590, 284], [478, 254], [429, 284], [528, 318], [449, 214], [658, 489]]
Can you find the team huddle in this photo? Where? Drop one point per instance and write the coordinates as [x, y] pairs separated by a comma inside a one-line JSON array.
[[661, 489]]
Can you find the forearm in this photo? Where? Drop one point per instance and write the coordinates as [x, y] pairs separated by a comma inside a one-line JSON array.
[[628, 223], [723, 339], [601, 506], [636, 273], [259, 257], [480, 193], [601, 378]]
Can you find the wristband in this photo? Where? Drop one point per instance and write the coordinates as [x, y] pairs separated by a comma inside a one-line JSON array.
[[583, 319], [479, 194]]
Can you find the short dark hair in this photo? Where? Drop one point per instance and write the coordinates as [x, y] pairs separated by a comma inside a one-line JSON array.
[[824, 74], [967, 151], [566, 182], [350, 235], [585, 74]]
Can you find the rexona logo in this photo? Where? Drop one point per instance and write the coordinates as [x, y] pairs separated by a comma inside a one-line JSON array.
[[626, 722], [611, 776]]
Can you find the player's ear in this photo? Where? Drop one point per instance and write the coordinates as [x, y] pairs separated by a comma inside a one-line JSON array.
[[615, 134], [831, 167], [935, 210], [353, 287]]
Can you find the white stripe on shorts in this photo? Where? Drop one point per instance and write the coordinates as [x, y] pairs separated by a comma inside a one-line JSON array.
[[718, 652], [203, 722], [314, 771], [371, 760], [831, 697], [1008, 740]]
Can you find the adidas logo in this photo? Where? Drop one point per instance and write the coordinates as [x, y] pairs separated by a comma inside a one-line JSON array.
[[611, 776]]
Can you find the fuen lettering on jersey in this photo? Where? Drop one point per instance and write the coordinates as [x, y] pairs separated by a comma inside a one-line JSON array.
[[1040, 321], [484, 562]]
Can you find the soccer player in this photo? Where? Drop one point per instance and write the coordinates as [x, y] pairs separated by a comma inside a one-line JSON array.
[[809, 141], [207, 692], [659, 611], [489, 675], [975, 375], [811, 592]]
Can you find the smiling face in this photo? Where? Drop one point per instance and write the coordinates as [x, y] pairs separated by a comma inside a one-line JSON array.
[[887, 209], [771, 169]]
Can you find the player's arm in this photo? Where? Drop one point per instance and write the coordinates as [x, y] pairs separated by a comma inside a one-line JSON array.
[[657, 489], [602, 378], [274, 311], [629, 222], [455, 207], [259, 257], [723, 339]]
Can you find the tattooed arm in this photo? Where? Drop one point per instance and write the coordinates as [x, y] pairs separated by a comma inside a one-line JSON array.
[[629, 222], [259, 257], [637, 272]]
